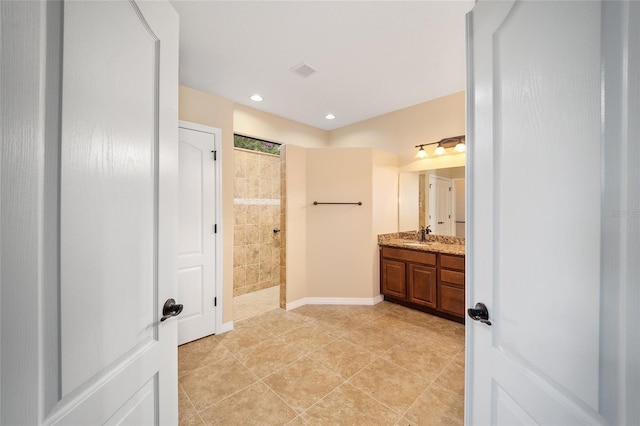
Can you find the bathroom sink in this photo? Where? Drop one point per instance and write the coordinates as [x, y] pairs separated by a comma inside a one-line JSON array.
[[416, 243]]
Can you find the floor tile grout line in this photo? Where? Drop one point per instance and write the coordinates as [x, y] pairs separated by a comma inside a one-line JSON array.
[[236, 392], [417, 399], [189, 372], [431, 381], [311, 359], [374, 398], [196, 413], [427, 388], [282, 399]]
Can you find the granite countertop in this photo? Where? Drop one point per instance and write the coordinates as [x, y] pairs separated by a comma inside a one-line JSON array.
[[433, 243]]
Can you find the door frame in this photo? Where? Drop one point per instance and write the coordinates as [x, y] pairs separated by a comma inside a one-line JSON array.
[[218, 264]]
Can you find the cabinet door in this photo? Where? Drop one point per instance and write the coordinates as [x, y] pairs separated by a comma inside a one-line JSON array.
[[422, 285], [393, 278], [451, 299]]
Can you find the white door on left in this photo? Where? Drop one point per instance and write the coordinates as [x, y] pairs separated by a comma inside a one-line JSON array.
[[197, 231], [90, 347]]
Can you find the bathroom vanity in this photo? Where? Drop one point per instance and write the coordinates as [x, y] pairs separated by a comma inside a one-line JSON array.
[[428, 276]]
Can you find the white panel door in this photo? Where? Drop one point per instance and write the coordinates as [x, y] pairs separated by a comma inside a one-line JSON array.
[[105, 246], [440, 205], [541, 180], [197, 233]]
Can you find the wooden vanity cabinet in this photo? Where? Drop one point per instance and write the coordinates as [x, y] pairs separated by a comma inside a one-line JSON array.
[[431, 282], [451, 285]]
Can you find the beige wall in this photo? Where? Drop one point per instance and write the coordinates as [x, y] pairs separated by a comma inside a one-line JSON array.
[[339, 236], [294, 199], [332, 249], [262, 125], [204, 108], [400, 131]]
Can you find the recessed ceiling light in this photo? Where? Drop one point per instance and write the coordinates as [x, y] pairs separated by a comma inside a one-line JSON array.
[[329, 116], [256, 98]]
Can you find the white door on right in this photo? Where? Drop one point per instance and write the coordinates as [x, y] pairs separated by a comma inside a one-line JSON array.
[[552, 125]]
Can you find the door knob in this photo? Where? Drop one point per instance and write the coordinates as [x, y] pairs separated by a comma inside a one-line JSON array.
[[479, 313], [170, 309]]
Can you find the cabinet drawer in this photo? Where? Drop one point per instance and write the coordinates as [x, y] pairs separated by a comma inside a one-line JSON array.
[[451, 300], [452, 262], [409, 255], [452, 277]]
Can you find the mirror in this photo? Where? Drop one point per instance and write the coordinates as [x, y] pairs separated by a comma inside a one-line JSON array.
[[433, 198]]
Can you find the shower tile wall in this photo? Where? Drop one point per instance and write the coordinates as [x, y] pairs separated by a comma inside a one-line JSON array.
[[256, 252]]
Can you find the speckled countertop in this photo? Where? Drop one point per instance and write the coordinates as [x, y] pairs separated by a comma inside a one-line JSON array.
[[433, 243]]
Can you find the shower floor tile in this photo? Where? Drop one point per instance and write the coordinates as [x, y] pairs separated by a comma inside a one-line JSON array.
[[256, 303]]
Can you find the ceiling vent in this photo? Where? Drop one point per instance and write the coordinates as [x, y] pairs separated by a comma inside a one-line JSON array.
[[303, 70]]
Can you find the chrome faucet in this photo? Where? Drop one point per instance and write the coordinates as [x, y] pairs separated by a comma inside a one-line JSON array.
[[424, 232]]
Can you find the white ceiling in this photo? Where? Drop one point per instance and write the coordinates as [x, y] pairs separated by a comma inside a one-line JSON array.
[[372, 57]]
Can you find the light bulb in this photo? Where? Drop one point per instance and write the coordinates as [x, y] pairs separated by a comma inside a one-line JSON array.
[[439, 150], [421, 152], [461, 147]]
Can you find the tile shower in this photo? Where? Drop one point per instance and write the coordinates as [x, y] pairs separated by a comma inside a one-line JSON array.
[[256, 205]]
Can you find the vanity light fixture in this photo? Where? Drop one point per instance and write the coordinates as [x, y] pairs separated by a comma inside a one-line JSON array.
[[456, 142], [256, 98]]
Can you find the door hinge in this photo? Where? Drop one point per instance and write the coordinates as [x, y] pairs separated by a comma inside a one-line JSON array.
[[430, 185], [215, 155], [215, 228], [449, 189], [215, 301]]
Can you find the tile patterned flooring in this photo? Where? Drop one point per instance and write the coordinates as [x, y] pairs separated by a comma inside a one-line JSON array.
[[326, 365], [255, 303]]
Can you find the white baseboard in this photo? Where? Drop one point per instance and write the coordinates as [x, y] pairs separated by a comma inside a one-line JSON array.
[[334, 301], [226, 326]]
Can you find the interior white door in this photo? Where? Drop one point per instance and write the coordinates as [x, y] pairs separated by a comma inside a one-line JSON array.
[[105, 246], [440, 205], [540, 178], [197, 233]]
